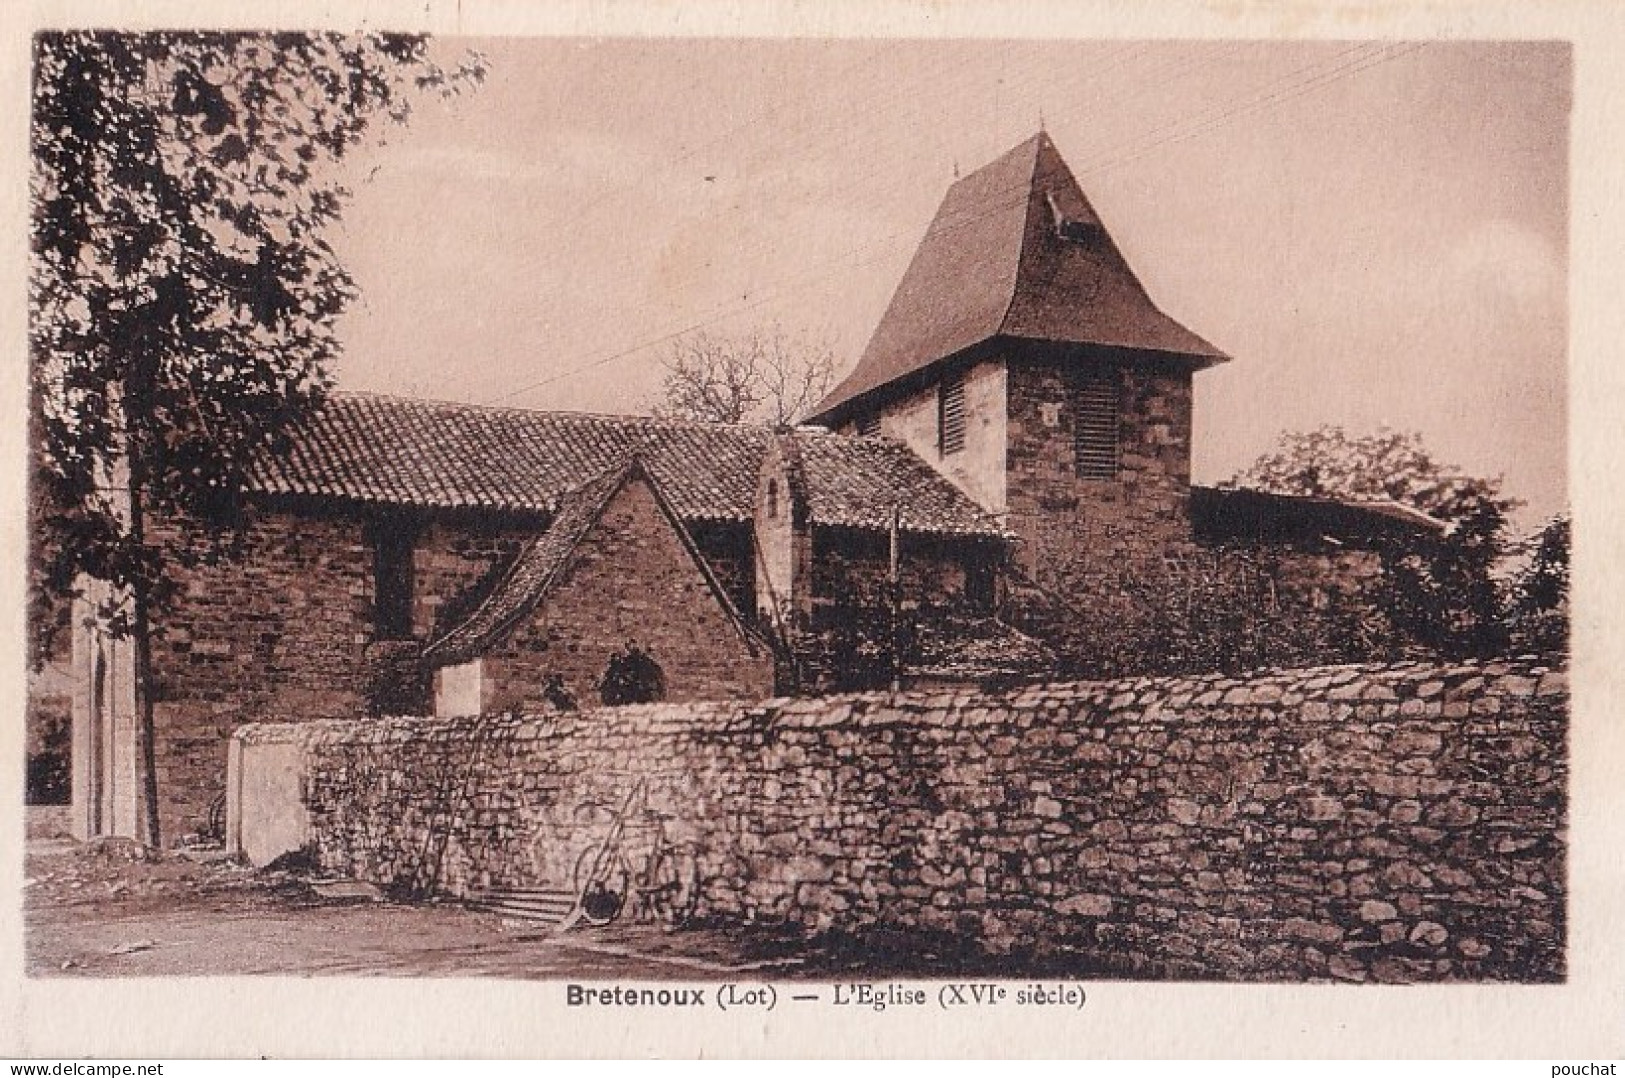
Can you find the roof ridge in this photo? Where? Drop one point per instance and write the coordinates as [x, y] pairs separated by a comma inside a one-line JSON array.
[[381, 450], [1033, 140], [678, 422], [1037, 141], [814, 432]]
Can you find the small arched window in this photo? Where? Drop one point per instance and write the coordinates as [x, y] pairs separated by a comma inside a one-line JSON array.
[[773, 498]]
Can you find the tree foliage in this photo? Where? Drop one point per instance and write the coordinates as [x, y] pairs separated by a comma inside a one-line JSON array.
[[183, 291], [1540, 591], [1227, 609], [762, 377], [1441, 594], [1386, 466]]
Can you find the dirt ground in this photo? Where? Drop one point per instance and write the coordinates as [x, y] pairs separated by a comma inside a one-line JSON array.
[[114, 909]]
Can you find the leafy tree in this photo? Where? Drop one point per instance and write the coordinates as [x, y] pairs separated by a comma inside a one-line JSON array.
[[1386, 466], [1440, 594], [183, 293], [764, 377], [1540, 593]]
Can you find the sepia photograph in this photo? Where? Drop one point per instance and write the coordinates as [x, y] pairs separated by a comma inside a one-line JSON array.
[[842, 513]]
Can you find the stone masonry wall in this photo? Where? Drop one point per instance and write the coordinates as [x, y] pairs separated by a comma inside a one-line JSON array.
[[454, 559], [1071, 527], [979, 468], [1401, 823], [280, 631], [287, 627], [590, 613]]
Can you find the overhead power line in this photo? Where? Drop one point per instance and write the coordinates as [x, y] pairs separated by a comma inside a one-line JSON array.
[[1301, 81]]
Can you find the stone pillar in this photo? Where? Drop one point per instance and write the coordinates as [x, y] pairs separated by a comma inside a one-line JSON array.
[[106, 797]]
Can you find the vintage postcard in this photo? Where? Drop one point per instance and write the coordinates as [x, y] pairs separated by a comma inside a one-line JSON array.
[[889, 531]]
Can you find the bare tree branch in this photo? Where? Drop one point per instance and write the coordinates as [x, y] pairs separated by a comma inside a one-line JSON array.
[[764, 376]]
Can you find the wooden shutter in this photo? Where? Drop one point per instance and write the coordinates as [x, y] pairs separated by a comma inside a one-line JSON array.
[[1096, 423], [951, 414]]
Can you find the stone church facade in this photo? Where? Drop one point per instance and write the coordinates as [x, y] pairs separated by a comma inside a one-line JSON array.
[[1016, 434]]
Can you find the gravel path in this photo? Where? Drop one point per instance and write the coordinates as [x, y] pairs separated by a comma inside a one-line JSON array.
[[109, 909]]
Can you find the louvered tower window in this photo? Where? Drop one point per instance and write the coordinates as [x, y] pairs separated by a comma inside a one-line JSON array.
[[1096, 423], [951, 414]]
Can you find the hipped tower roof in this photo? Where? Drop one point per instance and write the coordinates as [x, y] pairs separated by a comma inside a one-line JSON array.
[[1015, 251]]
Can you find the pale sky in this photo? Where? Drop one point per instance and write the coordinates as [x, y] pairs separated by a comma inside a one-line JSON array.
[[1376, 233]]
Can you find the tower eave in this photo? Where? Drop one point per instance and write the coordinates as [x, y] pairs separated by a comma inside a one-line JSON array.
[[846, 408]]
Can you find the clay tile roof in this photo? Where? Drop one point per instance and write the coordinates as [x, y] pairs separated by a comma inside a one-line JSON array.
[[393, 451], [531, 576], [859, 482], [1239, 513], [1014, 251]]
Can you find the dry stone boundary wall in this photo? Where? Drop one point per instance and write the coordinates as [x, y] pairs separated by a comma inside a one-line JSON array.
[[1357, 823]]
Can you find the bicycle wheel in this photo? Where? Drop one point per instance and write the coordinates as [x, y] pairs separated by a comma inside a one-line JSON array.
[[601, 884], [671, 892]]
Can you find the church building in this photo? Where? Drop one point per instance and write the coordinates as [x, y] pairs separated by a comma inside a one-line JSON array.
[[1023, 359], [1010, 455]]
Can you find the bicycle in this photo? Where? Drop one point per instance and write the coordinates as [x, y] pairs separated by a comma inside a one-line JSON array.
[[664, 889]]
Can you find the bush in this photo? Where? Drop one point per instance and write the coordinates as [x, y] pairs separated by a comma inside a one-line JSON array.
[[632, 677], [1538, 617], [1224, 609], [50, 736]]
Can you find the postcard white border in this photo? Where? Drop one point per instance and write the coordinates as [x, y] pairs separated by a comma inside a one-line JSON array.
[[293, 1017]]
